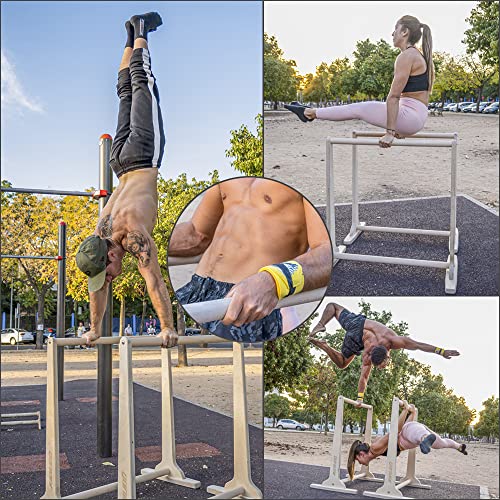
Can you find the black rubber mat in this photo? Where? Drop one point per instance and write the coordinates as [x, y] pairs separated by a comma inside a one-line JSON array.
[[78, 441], [477, 256], [287, 480]]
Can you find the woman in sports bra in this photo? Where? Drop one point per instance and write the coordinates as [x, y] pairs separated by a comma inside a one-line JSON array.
[[411, 435], [405, 111]]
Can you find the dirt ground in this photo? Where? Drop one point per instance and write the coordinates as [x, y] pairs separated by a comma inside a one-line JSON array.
[[294, 153], [206, 382], [480, 467]]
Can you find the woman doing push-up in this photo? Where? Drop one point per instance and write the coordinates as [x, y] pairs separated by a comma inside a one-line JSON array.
[[411, 435], [405, 111]]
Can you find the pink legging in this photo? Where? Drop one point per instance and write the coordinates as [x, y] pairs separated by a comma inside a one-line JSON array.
[[412, 434], [411, 118]]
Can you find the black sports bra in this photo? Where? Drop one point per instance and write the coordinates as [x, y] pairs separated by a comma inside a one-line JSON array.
[[417, 83]]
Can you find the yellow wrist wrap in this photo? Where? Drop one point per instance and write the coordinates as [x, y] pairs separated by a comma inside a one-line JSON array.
[[439, 350], [288, 277], [361, 395]]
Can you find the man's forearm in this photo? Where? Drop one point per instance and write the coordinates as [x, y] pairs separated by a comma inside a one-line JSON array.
[[160, 299], [316, 266], [98, 303], [186, 241]]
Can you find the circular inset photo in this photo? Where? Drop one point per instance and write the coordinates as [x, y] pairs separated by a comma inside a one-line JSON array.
[[250, 259]]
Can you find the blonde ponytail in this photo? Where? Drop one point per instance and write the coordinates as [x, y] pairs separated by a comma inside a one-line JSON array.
[[427, 53]]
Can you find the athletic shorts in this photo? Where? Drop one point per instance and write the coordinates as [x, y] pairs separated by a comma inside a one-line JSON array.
[[201, 289], [353, 325]]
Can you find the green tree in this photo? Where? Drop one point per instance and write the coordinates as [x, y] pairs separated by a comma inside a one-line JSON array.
[[451, 77], [286, 359], [246, 149], [280, 76], [482, 37], [487, 425], [276, 407]]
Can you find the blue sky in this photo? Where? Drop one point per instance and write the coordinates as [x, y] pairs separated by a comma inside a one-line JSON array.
[[59, 68]]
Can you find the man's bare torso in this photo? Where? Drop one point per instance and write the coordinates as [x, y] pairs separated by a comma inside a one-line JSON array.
[[263, 223], [375, 333], [132, 207]]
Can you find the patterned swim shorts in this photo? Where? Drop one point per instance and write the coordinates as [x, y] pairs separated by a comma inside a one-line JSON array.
[[201, 289]]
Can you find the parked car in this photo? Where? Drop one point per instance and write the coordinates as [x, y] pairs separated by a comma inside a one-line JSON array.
[[471, 108], [492, 108], [286, 423], [483, 105], [462, 105], [447, 107], [15, 336]]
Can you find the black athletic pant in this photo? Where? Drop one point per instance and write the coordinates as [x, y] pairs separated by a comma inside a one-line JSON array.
[[139, 140]]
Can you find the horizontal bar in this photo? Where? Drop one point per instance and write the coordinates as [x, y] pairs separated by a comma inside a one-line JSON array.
[[182, 261], [20, 422], [402, 230], [391, 260], [428, 135], [402, 484], [213, 310], [47, 257], [92, 194], [438, 143], [32, 414], [106, 488], [352, 402], [233, 493], [152, 340]]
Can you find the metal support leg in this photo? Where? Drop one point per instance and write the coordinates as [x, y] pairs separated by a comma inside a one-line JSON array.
[[452, 271], [354, 231], [168, 453], [52, 465], [241, 486], [126, 444]]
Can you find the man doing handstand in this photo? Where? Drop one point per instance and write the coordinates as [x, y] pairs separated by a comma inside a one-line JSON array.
[[128, 219], [367, 337]]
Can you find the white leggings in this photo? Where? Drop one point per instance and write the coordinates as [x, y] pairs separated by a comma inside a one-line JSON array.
[[412, 114], [412, 434]]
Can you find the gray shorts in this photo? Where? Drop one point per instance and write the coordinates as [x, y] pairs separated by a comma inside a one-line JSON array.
[[201, 289], [353, 325]]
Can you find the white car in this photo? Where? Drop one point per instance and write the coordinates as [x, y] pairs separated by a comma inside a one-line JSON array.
[[286, 423], [14, 336]]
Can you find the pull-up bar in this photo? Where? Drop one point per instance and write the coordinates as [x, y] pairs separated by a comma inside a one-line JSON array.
[[99, 193], [47, 257]]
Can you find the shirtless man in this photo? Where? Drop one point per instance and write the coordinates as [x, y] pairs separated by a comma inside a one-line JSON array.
[[369, 337], [244, 227], [127, 221]]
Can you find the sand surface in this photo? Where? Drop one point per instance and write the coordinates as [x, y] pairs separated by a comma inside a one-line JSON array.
[[295, 154], [206, 382], [480, 467]]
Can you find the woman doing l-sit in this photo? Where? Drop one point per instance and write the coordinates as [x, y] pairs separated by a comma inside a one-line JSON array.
[[405, 111]]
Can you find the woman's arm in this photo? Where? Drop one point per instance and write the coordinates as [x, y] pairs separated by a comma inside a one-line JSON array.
[[402, 69], [380, 445]]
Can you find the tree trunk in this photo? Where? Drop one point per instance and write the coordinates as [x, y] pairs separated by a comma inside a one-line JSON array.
[[122, 316], [204, 331], [144, 304], [41, 316], [275, 106], [182, 359]]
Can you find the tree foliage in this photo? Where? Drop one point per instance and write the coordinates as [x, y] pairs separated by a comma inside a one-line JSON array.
[[276, 407], [487, 425], [247, 149]]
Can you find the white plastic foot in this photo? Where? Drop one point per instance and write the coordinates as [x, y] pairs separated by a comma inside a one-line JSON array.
[[336, 251], [353, 234], [187, 482], [450, 282]]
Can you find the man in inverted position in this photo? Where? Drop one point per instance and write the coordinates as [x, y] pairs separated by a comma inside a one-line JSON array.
[[128, 219], [367, 337], [261, 241]]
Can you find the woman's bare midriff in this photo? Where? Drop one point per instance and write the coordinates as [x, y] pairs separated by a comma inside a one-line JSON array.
[[422, 96]]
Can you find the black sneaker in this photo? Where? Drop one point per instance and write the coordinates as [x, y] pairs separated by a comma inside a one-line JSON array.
[[145, 23], [426, 444], [298, 109], [463, 450]]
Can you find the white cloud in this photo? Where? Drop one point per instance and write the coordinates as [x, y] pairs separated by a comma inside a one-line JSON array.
[[12, 90]]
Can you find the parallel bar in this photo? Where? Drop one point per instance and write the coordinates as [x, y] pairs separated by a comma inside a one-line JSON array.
[[352, 402], [49, 191], [144, 340], [391, 260], [402, 230], [213, 310], [48, 257], [181, 261], [32, 414], [438, 143], [422, 135]]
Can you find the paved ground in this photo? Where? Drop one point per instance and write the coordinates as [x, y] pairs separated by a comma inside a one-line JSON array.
[[477, 257], [204, 444], [287, 480]]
